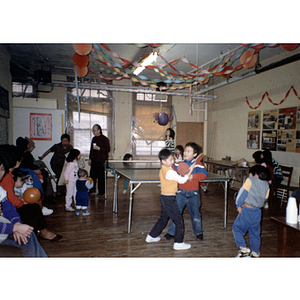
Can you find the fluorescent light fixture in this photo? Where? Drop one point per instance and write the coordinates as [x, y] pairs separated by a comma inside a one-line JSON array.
[[150, 59]]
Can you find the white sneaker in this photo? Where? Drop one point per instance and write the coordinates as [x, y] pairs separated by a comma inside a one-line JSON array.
[[181, 246], [124, 192], [150, 239], [70, 209], [47, 211], [254, 254], [243, 252], [266, 206]]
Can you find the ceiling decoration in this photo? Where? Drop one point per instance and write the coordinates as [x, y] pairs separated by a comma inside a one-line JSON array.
[[118, 68]]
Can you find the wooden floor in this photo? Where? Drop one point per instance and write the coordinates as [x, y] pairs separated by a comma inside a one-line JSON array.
[[104, 234]]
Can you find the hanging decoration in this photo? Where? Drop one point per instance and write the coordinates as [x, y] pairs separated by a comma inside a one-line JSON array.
[[162, 118], [289, 47], [83, 48], [266, 94], [81, 59], [222, 66], [248, 59]]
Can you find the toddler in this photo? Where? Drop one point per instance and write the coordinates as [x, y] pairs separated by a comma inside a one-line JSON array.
[[82, 195], [71, 175]]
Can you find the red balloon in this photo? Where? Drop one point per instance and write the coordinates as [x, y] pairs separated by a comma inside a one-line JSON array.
[[252, 59], [289, 47], [80, 60], [32, 195], [89, 179], [83, 48]]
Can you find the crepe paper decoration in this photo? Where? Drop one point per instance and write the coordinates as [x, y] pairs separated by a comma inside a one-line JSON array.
[[205, 80], [248, 59], [83, 48], [80, 60], [266, 94], [289, 47], [81, 72]]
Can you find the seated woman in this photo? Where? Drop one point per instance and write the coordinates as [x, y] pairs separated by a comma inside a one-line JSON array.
[[12, 231], [30, 214]]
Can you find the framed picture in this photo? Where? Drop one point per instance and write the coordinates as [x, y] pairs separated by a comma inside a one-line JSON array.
[[253, 138], [269, 139], [40, 126]]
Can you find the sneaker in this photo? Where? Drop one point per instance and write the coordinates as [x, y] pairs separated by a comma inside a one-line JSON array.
[[85, 213], [254, 254], [150, 239], [77, 213], [168, 237], [266, 206], [243, 252], [181, 246], [70, 209], [47, 211], [199, 237], [124, 192]]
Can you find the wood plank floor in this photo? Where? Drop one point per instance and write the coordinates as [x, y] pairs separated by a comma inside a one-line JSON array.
[[104, 234]]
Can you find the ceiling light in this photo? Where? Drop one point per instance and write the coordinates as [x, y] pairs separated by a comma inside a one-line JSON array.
[[146, 62]]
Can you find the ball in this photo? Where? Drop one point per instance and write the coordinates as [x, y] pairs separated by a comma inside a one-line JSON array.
[[89, 179], [32, 195]]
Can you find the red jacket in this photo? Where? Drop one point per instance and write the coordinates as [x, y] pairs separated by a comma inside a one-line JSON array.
[[8, 184]]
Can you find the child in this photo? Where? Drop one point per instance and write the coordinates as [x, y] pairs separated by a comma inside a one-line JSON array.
[[71, 175], [178, 153], [169, 139], [250, 199], [127, 157], [82, 195], [169, 208], [188, 193]]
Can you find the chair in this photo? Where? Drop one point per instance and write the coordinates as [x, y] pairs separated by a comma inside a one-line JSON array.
[[282, 190]]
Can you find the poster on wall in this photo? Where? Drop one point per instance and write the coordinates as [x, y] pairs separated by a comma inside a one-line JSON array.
[[286, 140], [270, 119], [298, 118], [254, 120], [40, 126], [269, 139], [287, 118], [253, 138], [298, 141]]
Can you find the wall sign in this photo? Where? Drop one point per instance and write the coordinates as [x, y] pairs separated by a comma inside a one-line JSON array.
[[40, 126]]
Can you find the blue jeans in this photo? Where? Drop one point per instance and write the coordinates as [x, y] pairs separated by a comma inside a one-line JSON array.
[[169, 209], [248, 220], [191, 199], [31, 249]]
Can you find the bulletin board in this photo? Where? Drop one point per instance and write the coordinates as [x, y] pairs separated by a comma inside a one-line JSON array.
[[280, 129]]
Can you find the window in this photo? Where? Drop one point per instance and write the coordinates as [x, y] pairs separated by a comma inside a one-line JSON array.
[[92, 111], [90, 93], [82, 133], [148, 135], [18, 89]]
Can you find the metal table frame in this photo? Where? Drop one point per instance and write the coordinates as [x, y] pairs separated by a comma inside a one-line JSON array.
[[152, 176]]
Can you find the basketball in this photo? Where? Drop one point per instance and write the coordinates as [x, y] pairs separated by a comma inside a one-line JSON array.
[[32, 195]]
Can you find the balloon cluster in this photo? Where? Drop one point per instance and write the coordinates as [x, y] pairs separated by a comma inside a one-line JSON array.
[[162, 118], [81, 58]]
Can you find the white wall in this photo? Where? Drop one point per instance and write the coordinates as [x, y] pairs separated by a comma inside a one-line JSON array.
[[230, 111]]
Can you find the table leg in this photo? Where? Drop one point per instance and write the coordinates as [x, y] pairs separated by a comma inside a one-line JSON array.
[[130, 205], [282, 250], [115, 203], [225, 204]]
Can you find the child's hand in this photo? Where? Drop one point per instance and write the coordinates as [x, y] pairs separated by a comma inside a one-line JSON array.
[[66, 181], [190, 177], [239, 209]]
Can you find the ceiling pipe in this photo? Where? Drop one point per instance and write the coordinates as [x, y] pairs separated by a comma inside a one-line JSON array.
[[251, 73]]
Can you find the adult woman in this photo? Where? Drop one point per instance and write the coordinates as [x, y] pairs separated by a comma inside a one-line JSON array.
[[99, 150], [58, 158]]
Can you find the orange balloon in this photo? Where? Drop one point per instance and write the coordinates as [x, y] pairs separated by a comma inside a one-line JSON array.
[[289, 47], [32, 195], [89, 179], [80, 60], [83, 49], [229, 68], [250, 63], [81, 72]]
